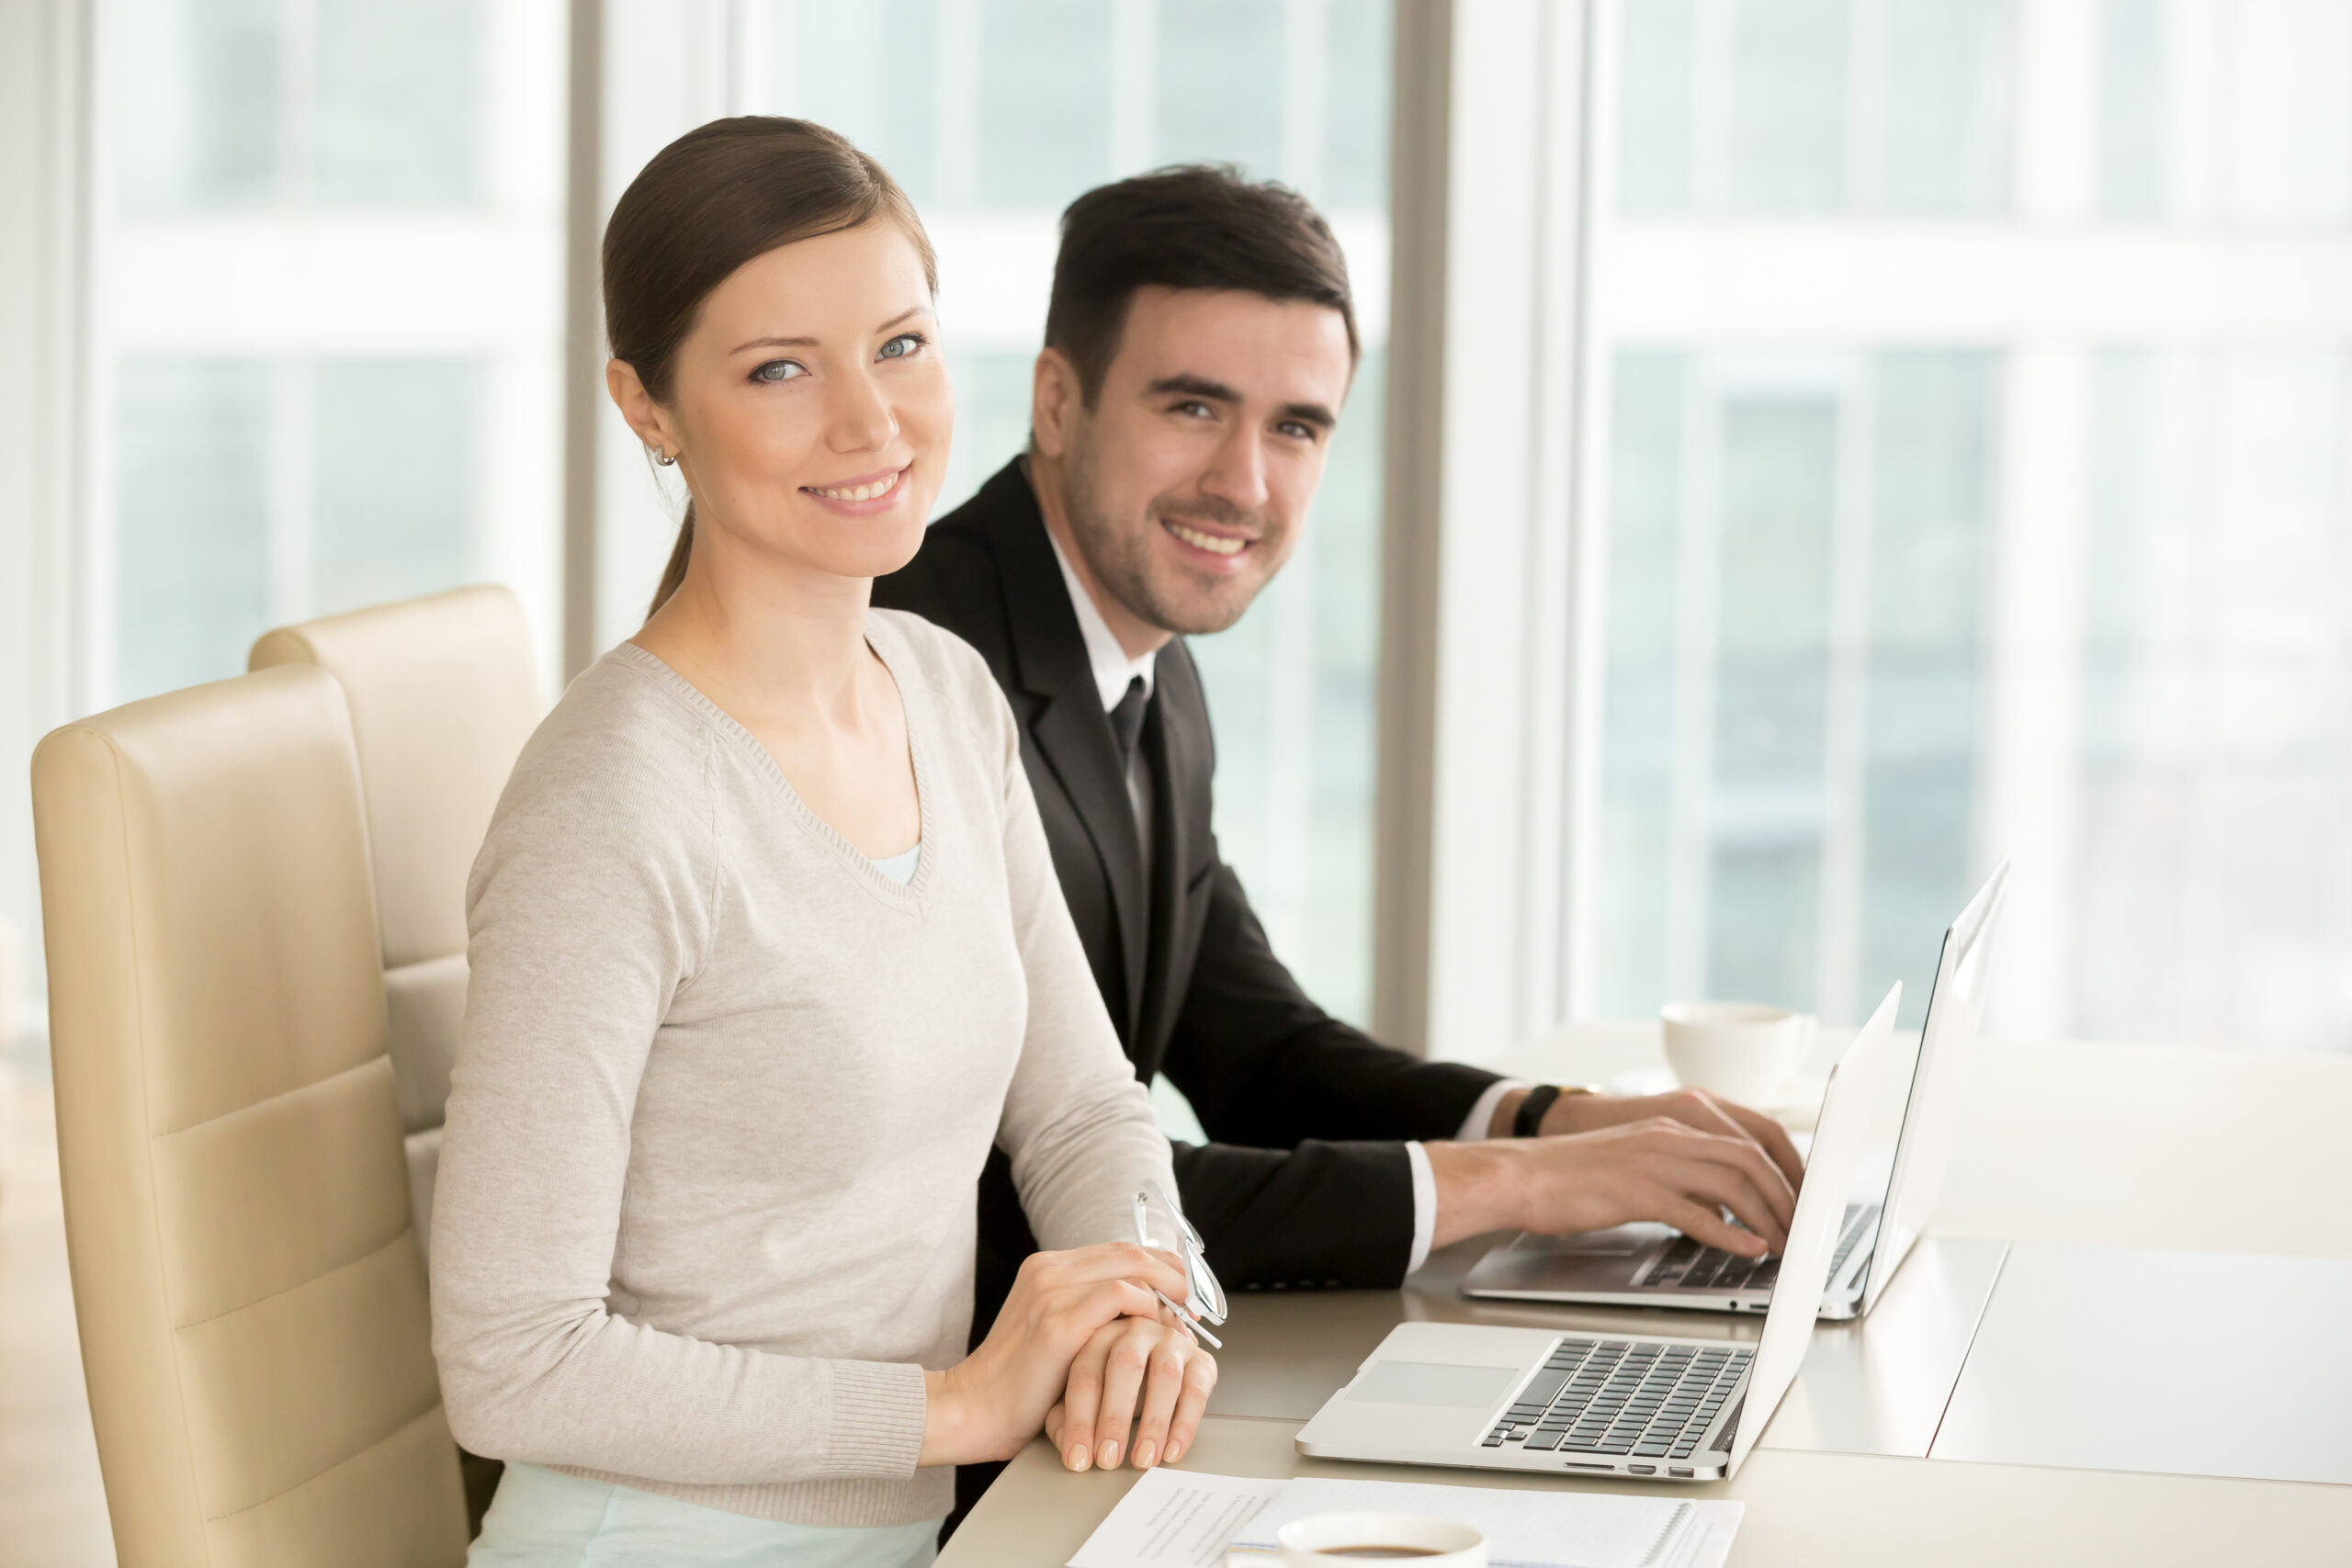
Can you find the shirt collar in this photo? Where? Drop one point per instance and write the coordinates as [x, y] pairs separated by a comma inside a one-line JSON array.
[[1113, 668]]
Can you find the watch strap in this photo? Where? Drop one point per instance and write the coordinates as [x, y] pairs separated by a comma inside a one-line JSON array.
[[1530, 1116]]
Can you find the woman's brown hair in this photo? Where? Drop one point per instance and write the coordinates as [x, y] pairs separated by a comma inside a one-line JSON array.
[[713, 199]]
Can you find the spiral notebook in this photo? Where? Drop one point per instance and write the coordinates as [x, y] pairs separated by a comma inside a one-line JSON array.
[[1171, 1519]]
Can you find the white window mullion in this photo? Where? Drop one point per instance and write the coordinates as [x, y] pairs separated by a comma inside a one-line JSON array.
[[1135, 51], [1305, 24], [955, 150], [293, 488], [1691, 812], [1846, 740]]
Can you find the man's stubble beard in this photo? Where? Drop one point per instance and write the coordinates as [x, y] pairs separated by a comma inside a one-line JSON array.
[[1121, 562]]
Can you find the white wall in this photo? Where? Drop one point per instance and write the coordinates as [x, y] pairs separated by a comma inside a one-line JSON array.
[[41, 142]]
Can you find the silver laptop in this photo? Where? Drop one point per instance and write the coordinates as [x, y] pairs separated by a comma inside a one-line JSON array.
[[1647, 1264], [1635, 1405]]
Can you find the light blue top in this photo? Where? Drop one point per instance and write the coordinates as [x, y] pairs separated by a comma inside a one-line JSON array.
[[542, 1519], [901, 869]]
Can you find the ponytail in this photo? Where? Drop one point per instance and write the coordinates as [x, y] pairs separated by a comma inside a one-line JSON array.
[[675, 572]]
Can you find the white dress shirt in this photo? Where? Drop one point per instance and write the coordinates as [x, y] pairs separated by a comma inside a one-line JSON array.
[[1112, 670]]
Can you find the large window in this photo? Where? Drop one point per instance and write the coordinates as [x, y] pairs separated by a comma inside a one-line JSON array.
[[994, 114], [326, 319], [1973, 383]]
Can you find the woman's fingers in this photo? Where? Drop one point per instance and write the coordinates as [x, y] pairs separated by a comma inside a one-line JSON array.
[[1082, 1399], [1123, 1374], [1200, 1377], [1163, 1382], [1148, 1266], [1078, 1315]]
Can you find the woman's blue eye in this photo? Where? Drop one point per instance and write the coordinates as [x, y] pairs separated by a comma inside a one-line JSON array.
[[902, 345], [778, 370]]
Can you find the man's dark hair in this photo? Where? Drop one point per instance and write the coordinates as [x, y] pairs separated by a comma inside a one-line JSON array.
[[1195, 226]]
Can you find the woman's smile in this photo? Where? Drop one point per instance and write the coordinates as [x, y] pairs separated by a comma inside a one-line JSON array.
[[865, 495]]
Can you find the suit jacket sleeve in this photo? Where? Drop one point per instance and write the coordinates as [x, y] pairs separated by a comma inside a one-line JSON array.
[[1307, 1179]]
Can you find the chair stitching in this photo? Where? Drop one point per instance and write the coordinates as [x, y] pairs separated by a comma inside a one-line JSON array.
[[350, 1263], [352, 1458], [274, 1099]]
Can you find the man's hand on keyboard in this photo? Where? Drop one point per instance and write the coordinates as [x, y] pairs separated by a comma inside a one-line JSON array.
[[1657, 1168], [1692, 1107]]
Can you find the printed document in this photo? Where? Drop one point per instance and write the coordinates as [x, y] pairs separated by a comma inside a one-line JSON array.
[[1173, 1519]]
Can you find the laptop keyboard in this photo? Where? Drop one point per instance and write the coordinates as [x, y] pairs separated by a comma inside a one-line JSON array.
[[1688, 1266], [1625, 1398]]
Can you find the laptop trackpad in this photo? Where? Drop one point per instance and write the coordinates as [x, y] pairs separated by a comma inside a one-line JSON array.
[[1432, 1382]]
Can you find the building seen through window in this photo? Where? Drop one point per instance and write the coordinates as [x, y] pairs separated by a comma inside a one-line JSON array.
[[326, 320], [1975, 378]]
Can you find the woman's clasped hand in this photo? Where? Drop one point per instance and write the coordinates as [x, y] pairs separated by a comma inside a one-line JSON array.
[[1082, 1349]]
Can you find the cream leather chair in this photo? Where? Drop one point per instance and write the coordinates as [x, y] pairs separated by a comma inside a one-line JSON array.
[[443, 694], [251, 1304]]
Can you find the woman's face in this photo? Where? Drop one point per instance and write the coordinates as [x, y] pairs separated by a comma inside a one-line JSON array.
[[810, 410]]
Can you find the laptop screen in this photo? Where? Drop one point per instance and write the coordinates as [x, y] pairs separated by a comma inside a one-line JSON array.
[[1931, 1108]]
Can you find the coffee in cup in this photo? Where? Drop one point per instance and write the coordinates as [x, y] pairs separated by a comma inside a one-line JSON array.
[[1328, 1540]]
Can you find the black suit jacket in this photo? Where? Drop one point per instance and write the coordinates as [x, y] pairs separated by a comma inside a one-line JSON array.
[[1306, 1182]]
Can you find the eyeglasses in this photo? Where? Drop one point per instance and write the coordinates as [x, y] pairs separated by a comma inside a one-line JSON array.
[[1160, 1223]]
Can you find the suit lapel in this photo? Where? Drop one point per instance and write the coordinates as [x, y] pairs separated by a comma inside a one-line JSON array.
[[1069, 728]]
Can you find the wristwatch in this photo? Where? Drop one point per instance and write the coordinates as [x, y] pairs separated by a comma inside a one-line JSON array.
[[1529, 1120]]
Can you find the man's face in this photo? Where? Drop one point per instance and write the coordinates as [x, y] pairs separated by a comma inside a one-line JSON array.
[[1187, 483]]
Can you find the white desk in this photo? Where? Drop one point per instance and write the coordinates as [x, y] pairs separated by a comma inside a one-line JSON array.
[[2142, 1146]]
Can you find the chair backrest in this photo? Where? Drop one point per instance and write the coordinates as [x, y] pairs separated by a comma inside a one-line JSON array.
[[443, 694], [251, 1302]]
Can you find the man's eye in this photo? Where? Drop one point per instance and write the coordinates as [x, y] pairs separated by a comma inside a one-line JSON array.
[[1194, 410], [1296, 431], [779, 370], [902, 345]]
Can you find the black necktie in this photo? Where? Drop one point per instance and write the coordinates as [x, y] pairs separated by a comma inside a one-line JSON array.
[[1126, 719]]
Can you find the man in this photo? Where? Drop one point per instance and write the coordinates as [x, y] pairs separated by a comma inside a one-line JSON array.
[[1199, 347]]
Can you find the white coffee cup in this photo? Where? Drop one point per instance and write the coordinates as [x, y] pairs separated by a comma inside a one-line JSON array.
[[1335, 1540], [1743, 1050]]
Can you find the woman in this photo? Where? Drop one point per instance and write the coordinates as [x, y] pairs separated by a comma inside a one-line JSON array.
[[766, 952]]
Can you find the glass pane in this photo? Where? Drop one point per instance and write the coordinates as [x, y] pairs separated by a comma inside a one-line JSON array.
[[1787, 104], [1647, 505], [1947, 112], [1658, 96], [1218, 96], [1771, 687], [1930, 542], [868, 71], [399, 108], [195, 90], [991, 417], [2133, 124], [396, 474], [1355, 98], [2288, 154], [1045, 100], [192, 584]]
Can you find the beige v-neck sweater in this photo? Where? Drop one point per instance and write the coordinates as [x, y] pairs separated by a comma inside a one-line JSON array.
[[706, 1195]]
